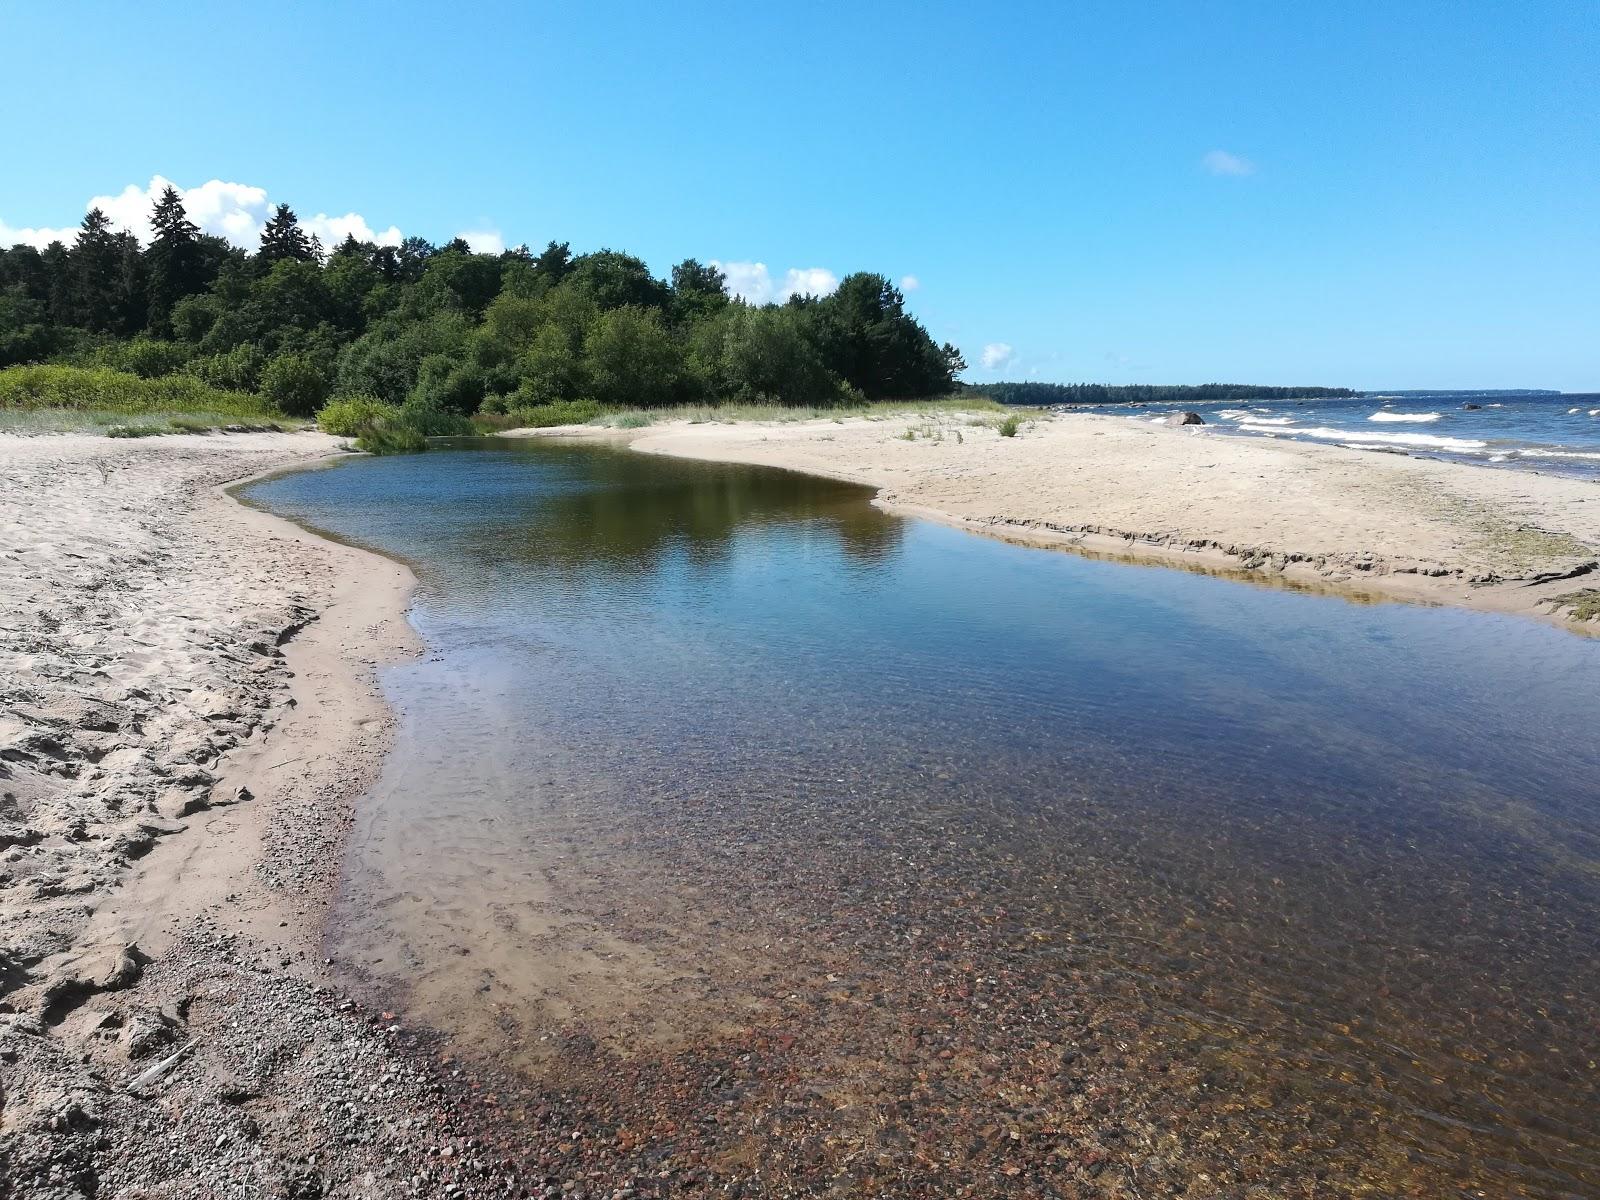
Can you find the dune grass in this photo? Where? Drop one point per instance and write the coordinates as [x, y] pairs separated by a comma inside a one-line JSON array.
[[876, 410], [61, 399], [34, 421], [104, 390]]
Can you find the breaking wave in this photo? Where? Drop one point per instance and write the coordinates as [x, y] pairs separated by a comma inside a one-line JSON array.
[[1424, 440]]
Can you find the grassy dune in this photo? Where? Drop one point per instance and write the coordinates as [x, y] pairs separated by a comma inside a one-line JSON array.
[[55, 399]]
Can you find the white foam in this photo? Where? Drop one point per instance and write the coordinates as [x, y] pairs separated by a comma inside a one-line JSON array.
[[1238, 414], [1570, 411], [1594, 412], [1426, 440], [1583, 454], [1249, 420], [1419, 418]]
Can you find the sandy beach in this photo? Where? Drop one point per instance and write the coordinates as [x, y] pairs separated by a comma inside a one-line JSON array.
[[1368, 524], [187, 711]]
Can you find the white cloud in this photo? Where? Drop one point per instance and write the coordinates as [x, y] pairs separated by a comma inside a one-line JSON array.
[[484, 241], [11, 235], [1220, 162], [749, 281], [753, 282], [809, 281], [910, 283], [236, 211], [333, 230], [996, 355]]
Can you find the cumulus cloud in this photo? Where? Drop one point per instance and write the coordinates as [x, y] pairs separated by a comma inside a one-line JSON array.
[[38, 238], [1220, 162], [236, 211], [996, 355], [333, 230], [808, 281], [910, 283], [753, 282], [484, 241]]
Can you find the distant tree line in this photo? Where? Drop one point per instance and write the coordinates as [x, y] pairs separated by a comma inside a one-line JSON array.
[[443, 327], [1044, 394]]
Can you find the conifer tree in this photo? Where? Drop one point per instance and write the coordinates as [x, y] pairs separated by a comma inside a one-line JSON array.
[[94, 278], [284, 239], [174, 261]]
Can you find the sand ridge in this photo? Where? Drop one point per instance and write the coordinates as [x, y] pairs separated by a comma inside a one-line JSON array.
[[1369, 521]]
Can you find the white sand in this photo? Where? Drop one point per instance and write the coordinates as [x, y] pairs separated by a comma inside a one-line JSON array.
[[162, 647], [1365, 521]]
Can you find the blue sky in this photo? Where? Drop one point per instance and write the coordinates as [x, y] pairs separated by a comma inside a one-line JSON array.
[[1378, 195]]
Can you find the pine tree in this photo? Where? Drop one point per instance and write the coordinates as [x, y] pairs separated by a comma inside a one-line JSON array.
[[94, 281], [283, 239], [131, 301], [174, 260]]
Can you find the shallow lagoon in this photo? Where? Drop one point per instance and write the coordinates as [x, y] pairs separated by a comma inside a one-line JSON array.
[[909, 855]]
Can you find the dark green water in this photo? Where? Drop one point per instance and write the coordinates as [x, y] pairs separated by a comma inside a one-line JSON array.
[[922, 861]]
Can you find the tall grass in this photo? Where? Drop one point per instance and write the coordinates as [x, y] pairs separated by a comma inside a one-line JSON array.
[[29, 421], [872, 410], [104, 390]]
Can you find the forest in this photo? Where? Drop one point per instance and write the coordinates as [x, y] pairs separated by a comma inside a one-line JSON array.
[[1042, 395], [437, 333]]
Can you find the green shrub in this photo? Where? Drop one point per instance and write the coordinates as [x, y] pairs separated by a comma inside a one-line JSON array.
[[397, 439], [147, 357], [634, 420], [492, 422], [104, 390], [561, 412], [381, 428], [238, 369], [431, 420], [353, 416], [295, 384], [1009, 427]]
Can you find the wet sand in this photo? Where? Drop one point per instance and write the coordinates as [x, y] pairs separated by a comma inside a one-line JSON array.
[[187, 715], [1373, 522]]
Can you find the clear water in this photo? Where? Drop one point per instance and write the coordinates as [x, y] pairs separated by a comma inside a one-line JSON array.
[[1558, 434], [769, 837]]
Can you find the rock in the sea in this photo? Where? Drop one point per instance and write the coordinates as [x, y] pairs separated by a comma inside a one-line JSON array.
[[1470, 407], [1184, 418]]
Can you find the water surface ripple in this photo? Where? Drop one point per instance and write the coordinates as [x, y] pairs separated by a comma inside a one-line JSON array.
[[773, 838]]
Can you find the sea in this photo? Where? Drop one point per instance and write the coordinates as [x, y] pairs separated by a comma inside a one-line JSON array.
[[1552, 432]]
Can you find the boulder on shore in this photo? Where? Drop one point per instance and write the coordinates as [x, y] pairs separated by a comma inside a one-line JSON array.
[[1184, 418]]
